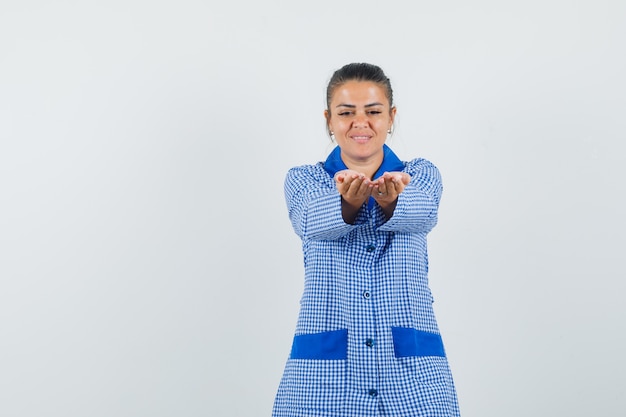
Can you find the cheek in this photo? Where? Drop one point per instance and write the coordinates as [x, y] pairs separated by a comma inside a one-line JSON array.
[[341, 126]]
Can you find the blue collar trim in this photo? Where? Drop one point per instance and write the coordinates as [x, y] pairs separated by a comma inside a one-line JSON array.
[[391, 162]]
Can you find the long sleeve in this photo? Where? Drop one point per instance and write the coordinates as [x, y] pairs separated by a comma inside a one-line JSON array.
[[417, 207], [314, 204]]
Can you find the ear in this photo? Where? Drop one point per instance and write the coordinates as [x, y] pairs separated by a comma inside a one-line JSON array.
[[327, 117], [392, 115]]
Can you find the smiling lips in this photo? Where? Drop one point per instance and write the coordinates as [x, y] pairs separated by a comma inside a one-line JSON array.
[[360, 138]]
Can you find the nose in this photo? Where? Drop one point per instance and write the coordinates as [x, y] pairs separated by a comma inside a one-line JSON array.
[[360, 120]]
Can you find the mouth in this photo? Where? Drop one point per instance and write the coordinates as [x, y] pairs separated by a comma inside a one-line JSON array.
[[360, 138]]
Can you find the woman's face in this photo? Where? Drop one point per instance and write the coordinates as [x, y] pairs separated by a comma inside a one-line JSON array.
[[359, 116]]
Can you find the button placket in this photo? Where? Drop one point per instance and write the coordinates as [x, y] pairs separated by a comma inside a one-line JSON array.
[[369, 254]]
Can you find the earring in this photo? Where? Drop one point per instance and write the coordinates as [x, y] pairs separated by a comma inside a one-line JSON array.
[[332, 136]]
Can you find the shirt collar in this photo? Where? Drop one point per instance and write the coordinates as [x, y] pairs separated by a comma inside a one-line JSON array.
[[390, 162]]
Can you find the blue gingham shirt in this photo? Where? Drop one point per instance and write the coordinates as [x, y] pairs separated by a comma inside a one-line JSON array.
[[366, 342]]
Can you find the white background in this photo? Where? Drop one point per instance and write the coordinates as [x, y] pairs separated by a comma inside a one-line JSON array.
[[147, 264]]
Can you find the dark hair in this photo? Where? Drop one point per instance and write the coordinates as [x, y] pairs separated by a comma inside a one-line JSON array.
[[359, 72]]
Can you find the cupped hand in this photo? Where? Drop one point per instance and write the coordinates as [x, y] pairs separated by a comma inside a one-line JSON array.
[[353, 186], [388, 186]]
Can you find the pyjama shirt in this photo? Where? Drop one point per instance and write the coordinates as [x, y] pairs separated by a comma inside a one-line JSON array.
[[366, 341]]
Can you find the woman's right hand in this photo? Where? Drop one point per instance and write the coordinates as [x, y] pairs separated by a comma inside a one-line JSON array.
[[353, 186]]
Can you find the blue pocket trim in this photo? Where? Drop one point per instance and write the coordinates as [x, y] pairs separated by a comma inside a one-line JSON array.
[[412, 342], [324, 345]]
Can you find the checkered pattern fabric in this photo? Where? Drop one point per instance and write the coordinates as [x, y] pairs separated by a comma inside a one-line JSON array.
[[366, 278]]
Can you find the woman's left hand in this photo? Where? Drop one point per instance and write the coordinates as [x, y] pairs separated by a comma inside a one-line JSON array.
[[389, 186]]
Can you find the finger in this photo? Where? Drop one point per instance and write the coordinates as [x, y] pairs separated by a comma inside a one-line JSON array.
[[397, 185], [345, 183], [354, 185], [351, 177], [402, 177], [379, 187], [366, 189], [346, 173]]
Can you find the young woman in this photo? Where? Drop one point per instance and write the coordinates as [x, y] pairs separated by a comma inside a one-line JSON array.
[[366, 341]]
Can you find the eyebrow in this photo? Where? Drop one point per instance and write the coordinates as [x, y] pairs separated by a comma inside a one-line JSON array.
[[352, 106]]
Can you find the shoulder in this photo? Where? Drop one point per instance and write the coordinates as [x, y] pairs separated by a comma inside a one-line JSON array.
[[425, 176], [421, 166], [308, 173], [313, 170]]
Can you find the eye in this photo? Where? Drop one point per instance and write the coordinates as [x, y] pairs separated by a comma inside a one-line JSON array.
[[374, 112], [345, 113]]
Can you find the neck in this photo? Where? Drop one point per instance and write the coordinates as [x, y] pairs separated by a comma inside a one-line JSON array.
[[366, 166]]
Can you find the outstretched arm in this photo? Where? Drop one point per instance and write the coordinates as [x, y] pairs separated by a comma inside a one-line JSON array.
[[417, 205]]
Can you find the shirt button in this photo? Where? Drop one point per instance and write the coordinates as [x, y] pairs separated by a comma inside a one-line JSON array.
[[366, 294], [370, 248], [369, 342], [372, 392]]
